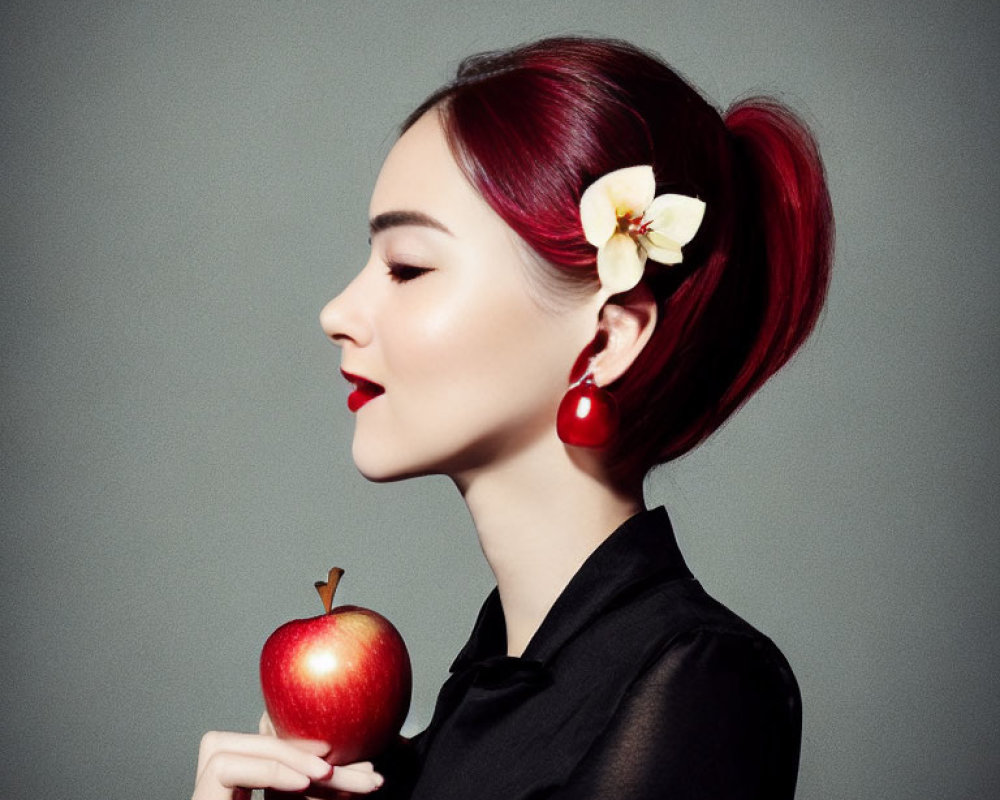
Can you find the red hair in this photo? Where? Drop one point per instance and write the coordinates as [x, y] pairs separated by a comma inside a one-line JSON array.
[[532, 127]]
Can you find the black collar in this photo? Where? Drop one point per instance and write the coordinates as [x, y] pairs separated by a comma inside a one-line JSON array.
[[639, 552]]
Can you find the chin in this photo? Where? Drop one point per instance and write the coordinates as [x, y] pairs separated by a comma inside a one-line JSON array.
[[384, 461], [376, 476], [378, 473], [383, 467]]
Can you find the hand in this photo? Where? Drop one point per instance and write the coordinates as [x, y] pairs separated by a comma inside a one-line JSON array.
[[231, 764]]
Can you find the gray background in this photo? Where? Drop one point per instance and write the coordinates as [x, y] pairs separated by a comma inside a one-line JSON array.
[[185, 184]]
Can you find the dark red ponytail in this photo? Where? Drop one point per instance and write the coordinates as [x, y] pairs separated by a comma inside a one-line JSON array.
[[780, 176], [534, 126]]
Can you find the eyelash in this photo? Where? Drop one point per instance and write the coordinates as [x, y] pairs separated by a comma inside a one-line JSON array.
[[402, 273]]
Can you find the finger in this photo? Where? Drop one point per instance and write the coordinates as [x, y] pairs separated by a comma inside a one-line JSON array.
[[358, 766], [303, 756], [237, 771], [266, 728], [252, 744], [314, 746], [359, 778]]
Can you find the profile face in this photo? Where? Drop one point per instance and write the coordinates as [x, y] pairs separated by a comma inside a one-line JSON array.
[[457, 361]]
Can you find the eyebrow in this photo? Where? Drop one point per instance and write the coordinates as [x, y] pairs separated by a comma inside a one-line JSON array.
[[394, 219]]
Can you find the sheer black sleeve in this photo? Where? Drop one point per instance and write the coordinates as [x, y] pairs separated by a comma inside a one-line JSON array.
[[717, 715]]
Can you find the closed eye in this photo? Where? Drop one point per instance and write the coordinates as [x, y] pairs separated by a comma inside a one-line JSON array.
[[401, 273]]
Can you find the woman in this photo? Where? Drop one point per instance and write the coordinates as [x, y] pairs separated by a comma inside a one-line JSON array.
[[578, 271]]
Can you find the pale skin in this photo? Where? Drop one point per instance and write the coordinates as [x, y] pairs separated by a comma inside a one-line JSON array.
[[231, 764], [474, 356]]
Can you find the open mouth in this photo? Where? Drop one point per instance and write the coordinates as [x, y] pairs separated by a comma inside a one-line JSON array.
[[364, 390]]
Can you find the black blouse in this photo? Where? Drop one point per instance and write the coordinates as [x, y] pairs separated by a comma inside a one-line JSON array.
[[637, 685]]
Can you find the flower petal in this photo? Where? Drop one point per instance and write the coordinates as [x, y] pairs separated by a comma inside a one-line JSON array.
[[676, 216], [624, 192], [619, 263], [630, 189], [661, 248], [597, 215]]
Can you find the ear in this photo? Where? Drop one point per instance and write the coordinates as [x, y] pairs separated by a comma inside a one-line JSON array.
[[626, 324]]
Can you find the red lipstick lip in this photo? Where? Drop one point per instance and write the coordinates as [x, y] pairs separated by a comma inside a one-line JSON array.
[[364, 390]]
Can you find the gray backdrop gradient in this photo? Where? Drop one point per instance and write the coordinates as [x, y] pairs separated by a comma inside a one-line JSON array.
[[185, 184]]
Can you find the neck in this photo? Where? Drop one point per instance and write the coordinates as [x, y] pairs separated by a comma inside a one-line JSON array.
[[539, 517]]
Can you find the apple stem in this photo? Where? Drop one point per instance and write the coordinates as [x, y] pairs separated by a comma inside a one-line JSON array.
[[328, 588]]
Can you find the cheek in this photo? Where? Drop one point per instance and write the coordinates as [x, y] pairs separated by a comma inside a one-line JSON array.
[[444, 348], [480, 360], [468, 337]]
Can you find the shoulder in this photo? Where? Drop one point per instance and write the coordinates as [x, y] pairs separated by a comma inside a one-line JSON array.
[[732, 674], [716, 714], [658, 620], [707, 649], [713, 705], [681, 633]]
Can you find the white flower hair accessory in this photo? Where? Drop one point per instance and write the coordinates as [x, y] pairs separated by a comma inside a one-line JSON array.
[[627, 224]]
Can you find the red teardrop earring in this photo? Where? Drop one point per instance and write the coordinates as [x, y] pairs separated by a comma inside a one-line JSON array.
[[588, 415]]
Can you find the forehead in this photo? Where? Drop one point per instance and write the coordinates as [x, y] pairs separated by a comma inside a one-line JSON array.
[[420, 174]]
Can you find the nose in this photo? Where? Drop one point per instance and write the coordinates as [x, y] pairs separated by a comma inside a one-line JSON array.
[[343, 318]]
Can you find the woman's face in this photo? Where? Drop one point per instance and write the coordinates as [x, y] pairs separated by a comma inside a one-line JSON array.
[[456, 364]]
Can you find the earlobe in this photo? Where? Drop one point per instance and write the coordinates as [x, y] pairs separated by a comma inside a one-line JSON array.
[[627, 322]]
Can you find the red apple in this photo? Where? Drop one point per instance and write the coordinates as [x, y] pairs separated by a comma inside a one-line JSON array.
[[342, 677]]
